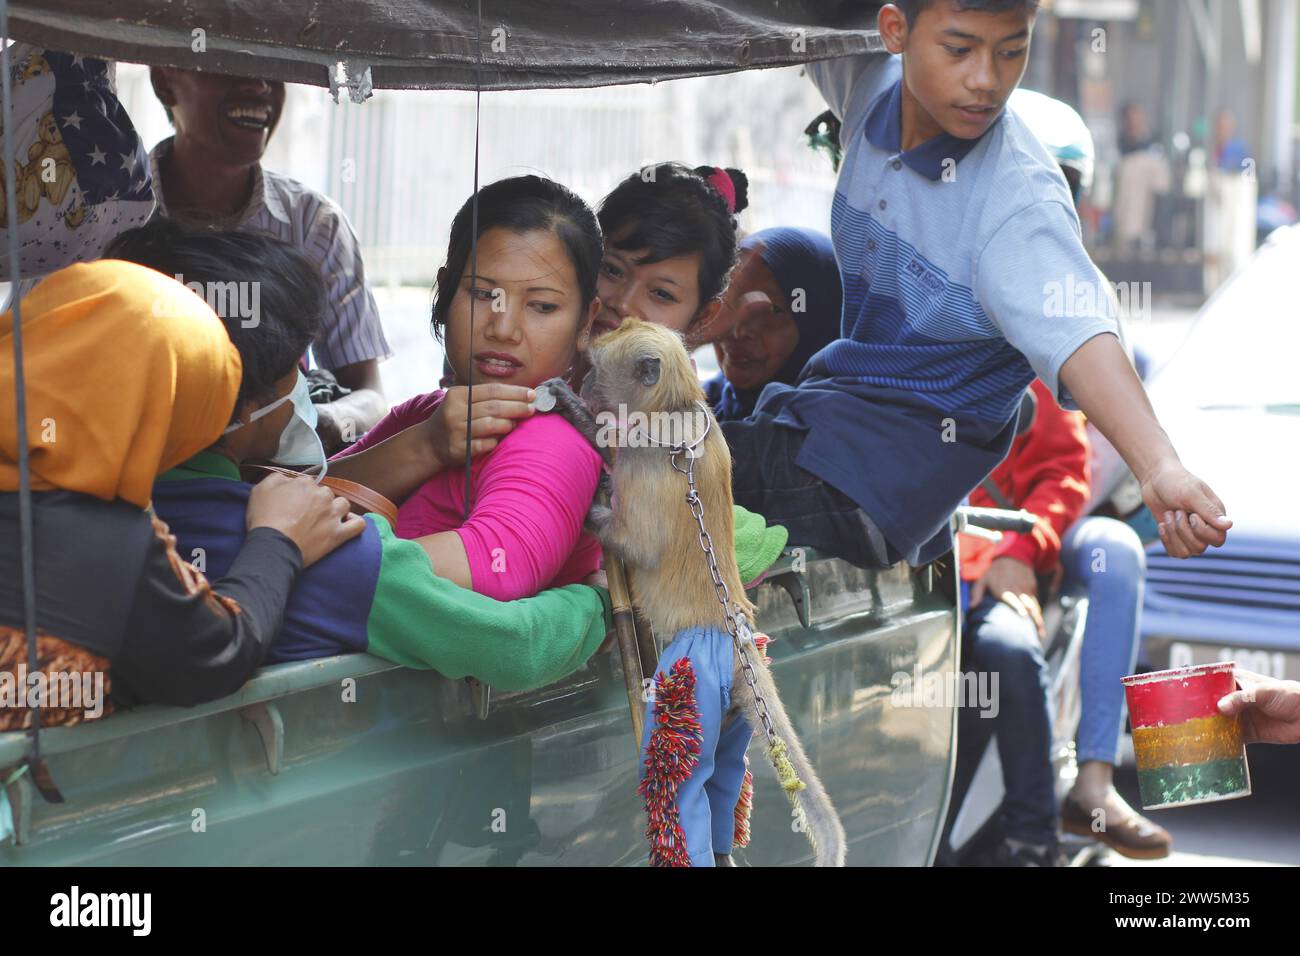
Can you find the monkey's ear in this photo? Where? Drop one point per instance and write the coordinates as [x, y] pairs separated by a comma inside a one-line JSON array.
[[647, 370]]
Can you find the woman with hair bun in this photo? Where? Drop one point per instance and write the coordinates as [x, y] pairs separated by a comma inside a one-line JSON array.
[[670, 245]]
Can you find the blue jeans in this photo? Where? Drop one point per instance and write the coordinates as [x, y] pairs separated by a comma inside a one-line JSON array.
[[1103, 558], [706, 799], [765, 479], [997, 640]]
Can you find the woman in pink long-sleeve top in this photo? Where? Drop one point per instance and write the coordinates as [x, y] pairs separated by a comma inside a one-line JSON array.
[[532, 478]]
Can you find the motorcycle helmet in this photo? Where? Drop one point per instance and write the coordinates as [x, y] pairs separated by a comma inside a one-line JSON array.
[[1062, 130]]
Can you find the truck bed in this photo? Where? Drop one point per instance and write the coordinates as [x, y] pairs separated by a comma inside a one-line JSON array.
[[286, 771]]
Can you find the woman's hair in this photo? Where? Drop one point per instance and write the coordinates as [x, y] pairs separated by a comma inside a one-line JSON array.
[[671, 210], [238, 269], [522, 204]]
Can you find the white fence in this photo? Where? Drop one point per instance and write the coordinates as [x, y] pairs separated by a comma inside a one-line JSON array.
[[402, 163]]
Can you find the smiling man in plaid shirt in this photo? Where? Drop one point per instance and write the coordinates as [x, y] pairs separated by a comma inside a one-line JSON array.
[[211, 172]]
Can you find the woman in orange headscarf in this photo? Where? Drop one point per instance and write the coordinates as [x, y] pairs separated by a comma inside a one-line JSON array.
[[128, 373]]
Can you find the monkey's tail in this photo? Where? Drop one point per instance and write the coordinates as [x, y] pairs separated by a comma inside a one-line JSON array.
[[812, 806]]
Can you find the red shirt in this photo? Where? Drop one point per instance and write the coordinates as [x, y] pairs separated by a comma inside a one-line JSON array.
[[1047, 473]]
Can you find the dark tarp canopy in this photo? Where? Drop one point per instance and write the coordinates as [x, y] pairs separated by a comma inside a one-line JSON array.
[[430, 44]]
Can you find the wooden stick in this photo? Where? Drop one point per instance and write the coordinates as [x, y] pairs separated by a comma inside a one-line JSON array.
[[645, 640], [625, 629]]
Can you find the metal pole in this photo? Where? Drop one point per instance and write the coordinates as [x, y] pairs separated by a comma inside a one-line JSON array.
[[25, 534]]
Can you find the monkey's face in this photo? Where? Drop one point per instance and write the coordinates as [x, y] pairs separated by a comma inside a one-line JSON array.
[[642, 367], [528, 320]]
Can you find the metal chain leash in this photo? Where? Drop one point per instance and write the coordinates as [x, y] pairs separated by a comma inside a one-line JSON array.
[[737, 624], [682, 457]]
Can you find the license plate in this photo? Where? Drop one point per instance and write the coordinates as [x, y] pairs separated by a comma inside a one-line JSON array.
[[1279, 664]]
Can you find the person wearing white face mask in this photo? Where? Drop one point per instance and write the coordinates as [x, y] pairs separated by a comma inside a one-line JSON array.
[[377, 593], [136, 389], [299, 445]]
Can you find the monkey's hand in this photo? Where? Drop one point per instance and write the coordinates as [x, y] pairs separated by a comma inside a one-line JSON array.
[[599, 520], [575, 412]]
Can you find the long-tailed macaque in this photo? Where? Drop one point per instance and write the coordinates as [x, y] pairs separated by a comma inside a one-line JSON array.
[[642, 376]]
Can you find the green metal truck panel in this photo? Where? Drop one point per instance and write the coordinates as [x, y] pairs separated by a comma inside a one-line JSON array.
[[354, 761]]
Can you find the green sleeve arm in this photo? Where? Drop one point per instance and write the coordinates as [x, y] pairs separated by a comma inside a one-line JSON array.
[[758, 544], [421, 620]]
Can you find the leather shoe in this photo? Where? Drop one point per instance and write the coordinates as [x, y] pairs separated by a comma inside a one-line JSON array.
[[1134, 836]]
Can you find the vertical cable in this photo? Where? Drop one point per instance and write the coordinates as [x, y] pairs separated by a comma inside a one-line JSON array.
[[473, 256], [20, 384]]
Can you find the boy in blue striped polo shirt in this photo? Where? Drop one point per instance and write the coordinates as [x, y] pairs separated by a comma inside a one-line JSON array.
[[964, 278]]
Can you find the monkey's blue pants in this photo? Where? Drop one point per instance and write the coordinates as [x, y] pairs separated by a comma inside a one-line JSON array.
[[706, 800]]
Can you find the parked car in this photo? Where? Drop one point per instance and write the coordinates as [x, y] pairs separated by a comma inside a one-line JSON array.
[[1229, 396]]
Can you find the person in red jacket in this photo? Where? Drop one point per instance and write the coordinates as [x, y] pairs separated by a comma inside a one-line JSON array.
[[1047, 474]]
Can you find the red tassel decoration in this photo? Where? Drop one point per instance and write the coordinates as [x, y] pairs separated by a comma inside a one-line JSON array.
[[743, 808], [670, 761]]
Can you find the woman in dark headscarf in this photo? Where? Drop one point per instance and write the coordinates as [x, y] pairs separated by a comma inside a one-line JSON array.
[[789, 309]]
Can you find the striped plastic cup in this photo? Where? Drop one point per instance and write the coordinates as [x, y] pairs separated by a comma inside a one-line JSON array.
[[1187, 752]]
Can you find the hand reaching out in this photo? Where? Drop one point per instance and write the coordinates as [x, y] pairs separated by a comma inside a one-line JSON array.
[[1101, 379], [1189, 514]]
